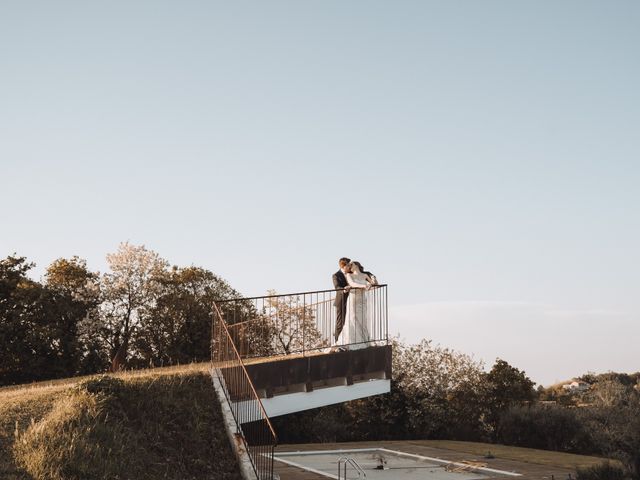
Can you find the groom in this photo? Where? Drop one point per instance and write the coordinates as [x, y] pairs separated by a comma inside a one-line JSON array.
[[342, 292]]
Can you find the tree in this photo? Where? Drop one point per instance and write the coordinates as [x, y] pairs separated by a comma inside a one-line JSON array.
[[506, 386], [74, 299], [291, 324], [608, 392], [435, 393], [387, 416], [13, 330], [130, 290], [78, 322], [443, 389], [616, 430], [30, 343], [548, 427], [177, 327]]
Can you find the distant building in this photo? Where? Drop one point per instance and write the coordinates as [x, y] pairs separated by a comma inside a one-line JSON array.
[[577, 386]]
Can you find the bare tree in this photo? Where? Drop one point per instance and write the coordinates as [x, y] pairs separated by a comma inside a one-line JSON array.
[[130, 289], [292, 323], [608, 392]]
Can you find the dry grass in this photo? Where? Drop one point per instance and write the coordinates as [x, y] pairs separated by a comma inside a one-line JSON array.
[[18, 414], [528, 455], [7, 392], [161, 423]]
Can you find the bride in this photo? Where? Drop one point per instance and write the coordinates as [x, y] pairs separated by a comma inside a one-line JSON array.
[[356, 329]]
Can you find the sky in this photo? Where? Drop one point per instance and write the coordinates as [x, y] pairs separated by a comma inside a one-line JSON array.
[[482, 158]]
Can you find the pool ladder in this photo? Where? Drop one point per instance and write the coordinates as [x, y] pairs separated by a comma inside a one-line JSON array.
[[348, 460]]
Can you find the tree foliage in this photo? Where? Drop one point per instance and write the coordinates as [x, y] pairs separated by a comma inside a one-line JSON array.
[[177, 327], [28, 343], [131, 290], [435, 393], [141, 312], [506, 386], [75, 294]]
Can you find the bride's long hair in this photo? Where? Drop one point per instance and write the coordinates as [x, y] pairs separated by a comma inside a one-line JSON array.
[[361, 268]]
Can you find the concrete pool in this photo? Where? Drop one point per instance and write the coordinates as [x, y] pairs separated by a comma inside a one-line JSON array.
[[382, 463]]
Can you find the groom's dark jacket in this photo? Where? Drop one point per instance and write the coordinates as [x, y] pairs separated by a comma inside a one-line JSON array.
[[340, 281]]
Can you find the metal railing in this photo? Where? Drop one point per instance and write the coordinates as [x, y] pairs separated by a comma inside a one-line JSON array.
[[344, 461], [276, 325], [300, 323], [251, 420]]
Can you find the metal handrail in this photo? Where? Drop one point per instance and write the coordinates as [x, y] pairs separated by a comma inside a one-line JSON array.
[[253, 390], [222, 367], [353, 463], [239, 324], [284, 324], [291, 294]]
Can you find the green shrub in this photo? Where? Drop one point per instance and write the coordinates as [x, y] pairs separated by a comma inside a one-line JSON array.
[[605, 471], [547, 427]]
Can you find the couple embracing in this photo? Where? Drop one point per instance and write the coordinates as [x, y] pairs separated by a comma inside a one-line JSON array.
[[352, 284]]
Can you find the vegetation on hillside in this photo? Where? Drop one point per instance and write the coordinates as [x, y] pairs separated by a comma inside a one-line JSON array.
[[116, 427], [437, 393], [141, 313]]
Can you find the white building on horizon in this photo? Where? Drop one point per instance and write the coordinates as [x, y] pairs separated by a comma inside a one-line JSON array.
[[576, 386]]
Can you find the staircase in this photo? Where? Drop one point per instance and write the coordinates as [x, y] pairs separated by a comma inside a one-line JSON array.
[[273, 355]]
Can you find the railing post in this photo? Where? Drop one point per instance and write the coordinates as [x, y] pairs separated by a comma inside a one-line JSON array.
[[386, 314]]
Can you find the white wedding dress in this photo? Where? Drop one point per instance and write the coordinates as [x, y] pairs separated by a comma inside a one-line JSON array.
[[355, 332]]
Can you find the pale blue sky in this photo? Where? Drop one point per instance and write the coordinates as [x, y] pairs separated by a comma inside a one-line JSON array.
[[469, 153]]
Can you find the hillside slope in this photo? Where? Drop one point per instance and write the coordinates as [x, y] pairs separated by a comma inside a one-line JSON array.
[[163, 423]]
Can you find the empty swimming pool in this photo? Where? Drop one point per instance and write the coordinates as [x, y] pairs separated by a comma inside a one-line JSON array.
[[382, 463]]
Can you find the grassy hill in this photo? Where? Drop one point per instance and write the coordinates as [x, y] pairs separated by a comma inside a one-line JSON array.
[[162, 423]]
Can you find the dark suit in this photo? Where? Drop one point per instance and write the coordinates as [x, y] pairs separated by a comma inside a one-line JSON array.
[[339, 282]]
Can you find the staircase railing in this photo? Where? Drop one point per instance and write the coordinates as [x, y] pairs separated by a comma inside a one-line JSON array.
[[275, 325], [252, 422]]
